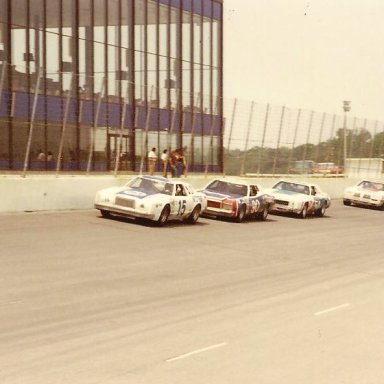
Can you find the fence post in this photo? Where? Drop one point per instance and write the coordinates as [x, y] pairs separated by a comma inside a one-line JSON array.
[[213, 119], [95, 124], [263, 139], [294, 139], [232, 123], [2, 77], [231, 130], [31, 124], [328, 155], [145, 141], [308, 134], [193, 131], [278, 140], [372, 142], [65, 120], [119, 147], [171, 128], [246, 140], [320, 137], [360, 150], [352, 138]]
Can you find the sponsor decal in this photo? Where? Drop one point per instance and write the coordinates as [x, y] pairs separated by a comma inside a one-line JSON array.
[[255, 204]]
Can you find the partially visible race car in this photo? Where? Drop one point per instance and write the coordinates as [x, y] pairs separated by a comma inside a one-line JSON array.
[[236, 199], [153, 198], [301, 198], [328, 169], [367, 193]]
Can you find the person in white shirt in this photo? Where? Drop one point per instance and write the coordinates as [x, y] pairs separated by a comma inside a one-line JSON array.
[[164, 159], [152, 159]]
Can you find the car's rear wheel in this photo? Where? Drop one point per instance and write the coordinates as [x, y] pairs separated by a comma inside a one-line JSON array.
[[347, 202], [321, 211], [241, 214], [105, 213], [263, 214], [163, 218], [194, 216], [304, 211]]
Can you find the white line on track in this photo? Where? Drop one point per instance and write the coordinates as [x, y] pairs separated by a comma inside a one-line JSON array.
[[345, 305], [195, 352]]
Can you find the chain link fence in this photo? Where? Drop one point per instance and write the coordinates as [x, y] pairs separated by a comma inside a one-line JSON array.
[[262, 138]]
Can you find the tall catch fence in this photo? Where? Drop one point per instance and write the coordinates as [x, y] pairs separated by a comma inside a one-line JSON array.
[[261, 138], [61, 122]]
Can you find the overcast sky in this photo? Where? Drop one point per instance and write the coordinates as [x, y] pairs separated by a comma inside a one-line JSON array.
[[306, 54]]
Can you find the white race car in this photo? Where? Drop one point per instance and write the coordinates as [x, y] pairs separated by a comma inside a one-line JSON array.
[[153, 198], [300, 198], [367, 193]]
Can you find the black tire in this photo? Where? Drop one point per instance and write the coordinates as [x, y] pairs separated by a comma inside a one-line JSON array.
[[163, 218], [194, 216], [105, 213], [347, 202], [321, 211], [241, 214], [263, 214], [304, 211]]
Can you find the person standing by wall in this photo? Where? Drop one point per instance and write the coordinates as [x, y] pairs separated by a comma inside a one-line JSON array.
[[164, 159], [152, 159], [176, 162]]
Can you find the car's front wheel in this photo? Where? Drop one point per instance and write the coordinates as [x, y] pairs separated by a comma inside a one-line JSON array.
[[194, 216], [105, 213], [321, 211], [163, 218], [347, 202], [304, 211], [263, 214], [241, 214]]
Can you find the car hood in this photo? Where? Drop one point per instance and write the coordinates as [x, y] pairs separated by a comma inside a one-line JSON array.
[[287, 195], [364, 191], [220, 196], [129, 193]]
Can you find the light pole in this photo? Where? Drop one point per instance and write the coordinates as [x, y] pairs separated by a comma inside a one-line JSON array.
[[346, 108]]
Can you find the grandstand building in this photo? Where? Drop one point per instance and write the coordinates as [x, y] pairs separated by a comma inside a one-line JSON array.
[[92, 85]]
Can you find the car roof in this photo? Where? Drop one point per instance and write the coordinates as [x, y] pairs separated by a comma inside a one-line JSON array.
[[372, 181], [234, 181], [297, 182], [154, 178]]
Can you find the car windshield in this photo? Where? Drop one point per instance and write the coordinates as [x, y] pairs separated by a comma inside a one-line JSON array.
[[218, 186], [372, 186], [292, 187], [228, 188], [151, 186]]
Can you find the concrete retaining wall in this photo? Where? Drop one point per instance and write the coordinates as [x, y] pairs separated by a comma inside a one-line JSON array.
[[48, 193]]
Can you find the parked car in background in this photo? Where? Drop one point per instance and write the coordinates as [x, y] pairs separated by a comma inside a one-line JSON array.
[[152, 198], [236, 199], [366, 193], [328, 169], [298, 197], [302, 167]]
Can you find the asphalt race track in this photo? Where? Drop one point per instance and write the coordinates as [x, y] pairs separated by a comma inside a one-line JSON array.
[[87, 300]]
